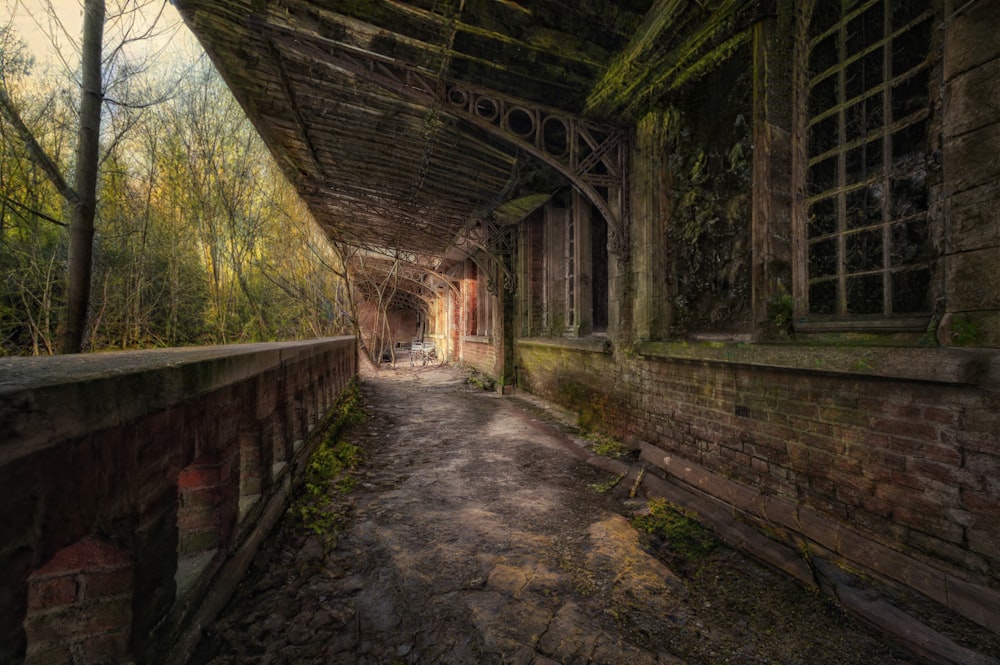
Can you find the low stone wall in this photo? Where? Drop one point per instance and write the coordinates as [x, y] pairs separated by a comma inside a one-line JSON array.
[[137, 482], [887, 459]]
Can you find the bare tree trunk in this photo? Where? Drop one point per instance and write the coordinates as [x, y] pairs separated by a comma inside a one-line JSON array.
[[81, 235]]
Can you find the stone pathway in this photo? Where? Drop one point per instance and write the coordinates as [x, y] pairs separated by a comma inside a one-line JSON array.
[[475, 535]]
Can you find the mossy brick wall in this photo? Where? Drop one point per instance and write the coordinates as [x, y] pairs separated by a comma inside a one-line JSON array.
[[151, 456], [909, 467]]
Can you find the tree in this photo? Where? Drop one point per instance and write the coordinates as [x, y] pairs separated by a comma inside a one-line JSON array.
[[197, 237], [82, 197]]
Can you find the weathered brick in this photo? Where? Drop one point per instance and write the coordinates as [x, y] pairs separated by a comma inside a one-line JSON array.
[[949, 555], [46, 653], [933, 471], [199, 476], [88, 554], [983, 465], [107, 648], [198, 541], [51, 592], [103, 584], [980, 504], [199, 499], [927, 519], [79, 621], [985, 419], [875, 506], [909, 429], [943, 455], [970, 39]]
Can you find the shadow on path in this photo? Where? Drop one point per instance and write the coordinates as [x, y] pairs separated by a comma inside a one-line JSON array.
[[476, 535]]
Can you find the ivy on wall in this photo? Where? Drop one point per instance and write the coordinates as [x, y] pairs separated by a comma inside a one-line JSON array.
[[708, 145]]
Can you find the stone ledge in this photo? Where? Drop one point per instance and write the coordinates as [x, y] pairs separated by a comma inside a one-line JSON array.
[[46, 400], [591, 344], [976, 602], [977, 367]]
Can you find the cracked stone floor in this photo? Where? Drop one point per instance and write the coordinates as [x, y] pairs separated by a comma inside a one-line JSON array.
[[475, 535]]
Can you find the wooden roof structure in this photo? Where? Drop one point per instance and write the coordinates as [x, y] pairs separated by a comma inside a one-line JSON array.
[[362, 101]]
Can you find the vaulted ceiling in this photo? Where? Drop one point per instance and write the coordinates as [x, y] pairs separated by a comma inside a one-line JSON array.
[[361, 101]]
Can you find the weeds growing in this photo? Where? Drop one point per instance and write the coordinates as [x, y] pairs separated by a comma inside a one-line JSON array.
[[678, 532], [331, 466]]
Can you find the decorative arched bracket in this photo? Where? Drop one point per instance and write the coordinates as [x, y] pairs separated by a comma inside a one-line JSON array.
[[591, 156]]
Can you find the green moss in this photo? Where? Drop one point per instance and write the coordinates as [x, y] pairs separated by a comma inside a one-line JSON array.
[[682, 537], [481, 381], [331, 467], [780, 317], [674, 46], [966, 332], [590, 405], [606, 446], [608, 485]]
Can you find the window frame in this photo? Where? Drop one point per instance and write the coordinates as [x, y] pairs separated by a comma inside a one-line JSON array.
[[881, 180]]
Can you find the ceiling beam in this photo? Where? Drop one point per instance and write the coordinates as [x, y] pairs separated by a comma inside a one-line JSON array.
[[592, 157]]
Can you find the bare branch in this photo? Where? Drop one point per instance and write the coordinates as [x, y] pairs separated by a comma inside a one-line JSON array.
[[32, 211], [48, 166]]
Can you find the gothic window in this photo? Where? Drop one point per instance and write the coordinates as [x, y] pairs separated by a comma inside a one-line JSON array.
[[867, 251]]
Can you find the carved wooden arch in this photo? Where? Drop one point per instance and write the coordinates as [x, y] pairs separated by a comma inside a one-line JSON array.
[[593, 157]]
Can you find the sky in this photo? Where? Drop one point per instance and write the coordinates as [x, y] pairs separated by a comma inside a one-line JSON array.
[[32, 23]]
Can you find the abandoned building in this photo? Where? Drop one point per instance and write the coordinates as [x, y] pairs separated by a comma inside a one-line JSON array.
[[756, 240]]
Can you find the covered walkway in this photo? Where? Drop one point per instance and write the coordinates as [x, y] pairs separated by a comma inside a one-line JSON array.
[[478, 533]]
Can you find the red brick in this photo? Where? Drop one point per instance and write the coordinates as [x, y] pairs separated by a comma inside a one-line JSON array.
[[107, 648], [87, 554], [985, 506], [928, 520], [197, 518], [197, 476], [79, 621], [984, 420], [104, 584], [933, 471], [941, 415], [200, 498], [943, 455], [972, 441], [875, 506], [46, 653], [51, 592], [897, 494], [906, 429], [983, 465], [851, 417]]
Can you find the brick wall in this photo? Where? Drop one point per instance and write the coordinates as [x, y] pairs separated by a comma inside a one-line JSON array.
[[480, 353], [160, 467], [889, 458]]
